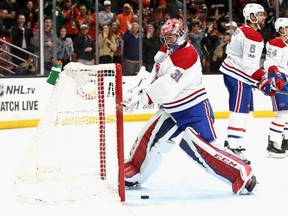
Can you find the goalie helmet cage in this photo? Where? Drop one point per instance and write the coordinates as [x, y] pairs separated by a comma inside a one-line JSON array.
[[77, 150]]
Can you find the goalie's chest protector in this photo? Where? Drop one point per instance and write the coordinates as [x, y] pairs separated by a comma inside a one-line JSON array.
[[181, 84]]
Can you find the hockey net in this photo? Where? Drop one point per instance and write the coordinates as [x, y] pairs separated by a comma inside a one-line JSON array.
[[77, 150]]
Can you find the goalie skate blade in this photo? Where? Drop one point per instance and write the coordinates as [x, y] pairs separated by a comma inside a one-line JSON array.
[[132, 185], [275, 155]]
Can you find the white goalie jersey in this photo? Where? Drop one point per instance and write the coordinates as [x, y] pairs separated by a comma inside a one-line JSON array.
[[173, 93]]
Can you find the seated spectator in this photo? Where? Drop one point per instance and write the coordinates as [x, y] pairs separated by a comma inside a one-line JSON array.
[[64, 46], [107, 45], [84, 46]]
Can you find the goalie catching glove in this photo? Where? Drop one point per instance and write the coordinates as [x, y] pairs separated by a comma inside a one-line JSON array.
[[130, 101]]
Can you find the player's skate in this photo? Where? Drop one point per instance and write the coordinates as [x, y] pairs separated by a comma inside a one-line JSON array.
[[237, 151], [250, 186], [284, 146], [274, 151], [132, 185]]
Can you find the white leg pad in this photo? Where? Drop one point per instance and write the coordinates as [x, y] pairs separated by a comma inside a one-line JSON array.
[[219, 163]]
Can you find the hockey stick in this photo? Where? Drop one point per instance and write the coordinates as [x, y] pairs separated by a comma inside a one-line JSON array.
[[281, 92]]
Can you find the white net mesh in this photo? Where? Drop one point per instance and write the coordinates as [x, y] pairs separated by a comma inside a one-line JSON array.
[[75, 151]]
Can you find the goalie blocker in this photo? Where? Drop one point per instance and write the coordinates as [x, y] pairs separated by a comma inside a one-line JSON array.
[[146, 155]]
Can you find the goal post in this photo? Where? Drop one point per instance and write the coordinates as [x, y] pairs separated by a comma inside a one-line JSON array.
[[77, 151]]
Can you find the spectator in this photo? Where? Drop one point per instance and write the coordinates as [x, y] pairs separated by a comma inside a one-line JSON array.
[[220, 53], [21, 37], [70, 12], [27, 68], [11, 6], [60, 16], [84, 46], [151, 45], [196, 35], [30, 14], [131, 62], [125, 18], [117, 58], [87, 19], [105, 17], [107, 45], [48, 45], [64, 46]]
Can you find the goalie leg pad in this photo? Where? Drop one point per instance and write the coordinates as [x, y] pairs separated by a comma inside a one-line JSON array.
[[219, 163], [146, 153]]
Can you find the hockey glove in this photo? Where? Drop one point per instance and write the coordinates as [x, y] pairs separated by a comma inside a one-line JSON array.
[[130, 101], [277, 79], [266, 86]]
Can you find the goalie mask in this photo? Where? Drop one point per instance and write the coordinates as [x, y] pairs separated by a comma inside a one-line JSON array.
[[172, 34], [282, 23], [254, 9]]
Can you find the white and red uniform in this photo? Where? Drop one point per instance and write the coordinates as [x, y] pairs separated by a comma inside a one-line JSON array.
[[242, 72], [277, 60], [185, 107]]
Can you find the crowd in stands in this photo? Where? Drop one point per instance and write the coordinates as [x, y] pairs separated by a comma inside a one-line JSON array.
[[118, 33]]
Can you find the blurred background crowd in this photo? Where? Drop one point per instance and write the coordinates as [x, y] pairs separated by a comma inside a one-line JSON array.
[[122, 31]]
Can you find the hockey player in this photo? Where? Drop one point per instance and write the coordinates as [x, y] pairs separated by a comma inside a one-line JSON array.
[[176, 84], [276, 66], [241, 72]]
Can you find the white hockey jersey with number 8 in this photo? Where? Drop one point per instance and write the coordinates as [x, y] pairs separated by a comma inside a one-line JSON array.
[[243, 56]]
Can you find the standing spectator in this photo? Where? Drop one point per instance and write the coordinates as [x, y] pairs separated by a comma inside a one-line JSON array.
[[125, 18], [151, 45], [220, 53], [131, 62], [84, 46], [105, 17], [30, 14], [21, 37], [11, 6], [70, 12], [48, 45], [117, 58], [196, 35], [64, 46], [276, 66], [107, 45], [87, 19], [241, 72]]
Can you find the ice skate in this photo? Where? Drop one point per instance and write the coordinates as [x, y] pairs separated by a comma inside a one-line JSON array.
[[238, 152], [130, 185], [273, 151], [284, 146], [250, 186]]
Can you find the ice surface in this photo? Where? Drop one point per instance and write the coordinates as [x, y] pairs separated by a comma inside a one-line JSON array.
[[179, 187]]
